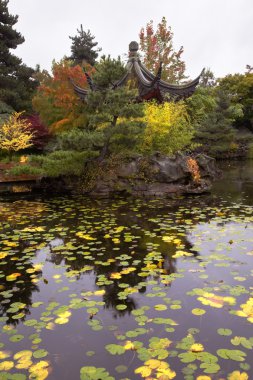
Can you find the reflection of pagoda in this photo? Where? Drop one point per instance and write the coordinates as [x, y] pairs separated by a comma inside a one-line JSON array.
[[150, 86]]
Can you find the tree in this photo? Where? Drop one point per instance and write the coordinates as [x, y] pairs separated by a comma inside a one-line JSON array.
[[249, 69], [111, 118], [115, 112], [240, 89], [16, 79], [5, 112], [55, 100], [212, 114], [15, 134], [207, 78], [157, 46], [82, 48]]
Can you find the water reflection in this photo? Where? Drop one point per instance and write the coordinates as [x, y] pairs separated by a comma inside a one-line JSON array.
[[114, 240], [134, 243], [66, 249]]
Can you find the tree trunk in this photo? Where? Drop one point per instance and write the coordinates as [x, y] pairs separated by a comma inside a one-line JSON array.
[[105, 150]]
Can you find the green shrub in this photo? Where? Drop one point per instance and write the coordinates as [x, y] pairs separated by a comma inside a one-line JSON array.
[[76, 140], [25, 170], [64, 162]]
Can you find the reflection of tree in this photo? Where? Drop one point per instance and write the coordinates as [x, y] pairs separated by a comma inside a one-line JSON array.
[[20, 210], [147, 223], [20, 290], [136, 250]]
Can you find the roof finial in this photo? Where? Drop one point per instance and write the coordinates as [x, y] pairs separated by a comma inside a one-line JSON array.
[[133, 46], [133, 49]]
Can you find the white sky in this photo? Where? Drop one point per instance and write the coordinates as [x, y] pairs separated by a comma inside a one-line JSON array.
[[215, 33]]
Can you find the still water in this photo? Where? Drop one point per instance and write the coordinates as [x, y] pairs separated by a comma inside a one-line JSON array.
[[129, 288]]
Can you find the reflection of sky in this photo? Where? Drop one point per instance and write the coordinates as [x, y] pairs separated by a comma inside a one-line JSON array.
[[214, 239], [236, 185]]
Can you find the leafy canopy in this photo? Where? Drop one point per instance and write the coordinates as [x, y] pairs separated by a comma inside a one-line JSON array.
[[56, 102], [168, 129], [240, 89], [157, 46]]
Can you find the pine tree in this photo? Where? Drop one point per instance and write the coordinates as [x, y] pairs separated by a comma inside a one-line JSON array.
[[213, 114], [16, 82], [82, 48], [115, 112]]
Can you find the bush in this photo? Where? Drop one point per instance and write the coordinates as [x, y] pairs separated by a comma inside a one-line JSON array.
[[15, 134], [168, 129], [63, 162], [25, 170], [40, 131]]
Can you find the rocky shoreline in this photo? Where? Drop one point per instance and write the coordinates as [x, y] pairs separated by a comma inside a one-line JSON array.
[[157, 175]]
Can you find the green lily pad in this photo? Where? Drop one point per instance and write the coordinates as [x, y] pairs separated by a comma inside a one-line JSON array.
[[40, 353], [16, 338], [224, 332], [115, 349], [235, 355]]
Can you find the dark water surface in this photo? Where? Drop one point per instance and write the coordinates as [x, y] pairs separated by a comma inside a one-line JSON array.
[[129, 288]]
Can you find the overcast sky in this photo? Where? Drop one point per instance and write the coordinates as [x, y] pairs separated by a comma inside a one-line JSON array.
[[214, 33]]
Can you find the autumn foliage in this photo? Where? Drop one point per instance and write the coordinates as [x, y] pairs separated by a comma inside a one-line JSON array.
[[56, 102], [15, 134], [40, 132], [193, 168], [168, 129], [157, 46]]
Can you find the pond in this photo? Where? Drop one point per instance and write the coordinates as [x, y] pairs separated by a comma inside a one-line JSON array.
[[129, 288]]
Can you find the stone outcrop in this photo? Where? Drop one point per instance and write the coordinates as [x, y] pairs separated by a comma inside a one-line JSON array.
[[155, 176]]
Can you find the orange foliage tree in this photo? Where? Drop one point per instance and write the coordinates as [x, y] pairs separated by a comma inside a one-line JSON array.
[[56, 102]]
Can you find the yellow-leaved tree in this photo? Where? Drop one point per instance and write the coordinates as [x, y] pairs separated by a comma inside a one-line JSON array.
[[168, 128], [15, 134]]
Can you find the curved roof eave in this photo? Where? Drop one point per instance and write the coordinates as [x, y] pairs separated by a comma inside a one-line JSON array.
[[80, 91], [122, 81], [165, 85], [144, 81]]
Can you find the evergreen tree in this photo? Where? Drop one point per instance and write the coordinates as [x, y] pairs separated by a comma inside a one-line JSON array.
[[82, 48], [213, 114], [115, 112], [16, 82]]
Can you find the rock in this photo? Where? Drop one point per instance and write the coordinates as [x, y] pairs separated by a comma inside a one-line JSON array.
[[157, 175]]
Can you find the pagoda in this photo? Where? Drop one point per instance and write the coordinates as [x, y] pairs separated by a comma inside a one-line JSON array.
[[149, 86]]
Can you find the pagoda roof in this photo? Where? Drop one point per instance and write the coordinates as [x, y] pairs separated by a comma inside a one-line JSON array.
[[150, 86]]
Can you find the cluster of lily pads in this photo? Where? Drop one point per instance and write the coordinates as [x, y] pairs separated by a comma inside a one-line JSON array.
[[125, 289]]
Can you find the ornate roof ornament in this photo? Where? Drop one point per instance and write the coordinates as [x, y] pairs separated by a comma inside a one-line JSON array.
[[150, 86]]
